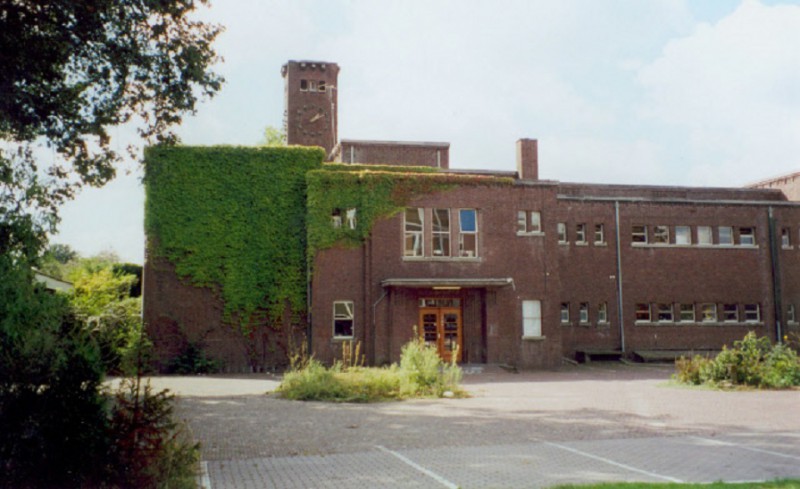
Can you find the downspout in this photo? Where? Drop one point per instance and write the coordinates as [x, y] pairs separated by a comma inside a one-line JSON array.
[[776, 275], [308, 305], [375, 323], [619, 280]]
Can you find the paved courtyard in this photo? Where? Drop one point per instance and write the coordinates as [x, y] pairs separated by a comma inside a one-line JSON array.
[[603, 422]]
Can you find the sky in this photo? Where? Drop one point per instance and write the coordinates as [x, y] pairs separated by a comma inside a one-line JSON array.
[[657, 92]]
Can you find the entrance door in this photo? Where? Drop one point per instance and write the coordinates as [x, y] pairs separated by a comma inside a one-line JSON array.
[[441, 328]]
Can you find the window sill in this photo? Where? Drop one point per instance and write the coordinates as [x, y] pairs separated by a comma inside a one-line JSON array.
[[787, 247], [532, 233], [443, 258], [697, 323], [600, 243], [581, 243], [690, 246], [563, 243], [534, 338], [337, 339], [603, 324]]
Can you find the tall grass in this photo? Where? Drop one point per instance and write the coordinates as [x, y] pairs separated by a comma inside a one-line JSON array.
[[421, 373]]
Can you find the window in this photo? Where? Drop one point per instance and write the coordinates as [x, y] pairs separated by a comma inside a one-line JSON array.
[[584, 313], [730, 313], [351, 218], [468, 237], [725, 235], [336, 218], [531, 318], [321, 86], [708, 313], [441, 232], [565, 313], [752, 313], [791, 315], [747, 236], [562, 232], [343, 319], [303, 85], [599, 234], [602, 313], [639, 234], [664, 313], [312, 86], [580, 233], [642, 313], [414, 219], [661, 234], [704, 235], [529, 222], [786, 238], [686, 312], [683, 235]]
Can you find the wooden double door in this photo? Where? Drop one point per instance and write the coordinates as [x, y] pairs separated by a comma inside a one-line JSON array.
[[442, 329]]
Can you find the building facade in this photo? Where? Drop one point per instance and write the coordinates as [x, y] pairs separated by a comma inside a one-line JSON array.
[[503, 267]]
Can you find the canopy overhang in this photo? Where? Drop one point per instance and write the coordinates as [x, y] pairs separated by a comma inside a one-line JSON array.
[[448, 283]]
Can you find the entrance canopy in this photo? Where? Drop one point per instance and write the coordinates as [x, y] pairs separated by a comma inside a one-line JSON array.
[[448, 283]]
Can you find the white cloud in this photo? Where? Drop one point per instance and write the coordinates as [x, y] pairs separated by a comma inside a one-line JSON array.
[[732, 87]]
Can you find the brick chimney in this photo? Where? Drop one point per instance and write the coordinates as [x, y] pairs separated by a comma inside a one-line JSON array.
[[527, 159]]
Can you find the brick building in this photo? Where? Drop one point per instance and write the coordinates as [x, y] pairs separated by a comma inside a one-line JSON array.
[[526, 271]]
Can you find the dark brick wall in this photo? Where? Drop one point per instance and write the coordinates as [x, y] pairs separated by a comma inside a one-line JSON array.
[[311, 115], [393, 153]]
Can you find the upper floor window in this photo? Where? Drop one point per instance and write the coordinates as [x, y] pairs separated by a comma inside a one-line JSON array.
[[686, 312], [414, 221], [350, 214], [791, 315], [584, 313], [752, 313], [529, 222], [565, 313], [468, 235], [730, 313], [665, 313], [786, 238], [708, 313], [725, 235], [643, 312], [639, 234], [561, 228], [747, 236], [580, 233], [441, 232], [704, 235], [602, 313], [599, 234], [683, 235], [661, 234], [343, 318]]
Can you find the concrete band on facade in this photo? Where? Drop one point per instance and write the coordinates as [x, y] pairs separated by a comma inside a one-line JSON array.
[[553, 269]]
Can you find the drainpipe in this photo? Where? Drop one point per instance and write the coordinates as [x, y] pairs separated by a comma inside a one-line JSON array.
[[619, 280], [776, 274], [375, 323]]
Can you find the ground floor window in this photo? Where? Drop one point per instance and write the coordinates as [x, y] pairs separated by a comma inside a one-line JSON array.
[[642, 313], [343, 318], [531, 318], [752, 313]]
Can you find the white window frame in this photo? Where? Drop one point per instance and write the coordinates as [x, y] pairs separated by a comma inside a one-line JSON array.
[[347, 315], [747, 238], [639, 234], [522, 222], [442, 235], [602, 313], [791, 314], [535, 222], [661, 235], [683, 235], [686, 313], [732, 310], [708, 312], [462, 234], [531, 319], [786, 238], [529, 222], [417, 235], [665, 311], [561, 232], [705, 235], [752, 313], [580, 233], [729, 238], [599, 234], [350, 216], [564, 312], [583, 313]]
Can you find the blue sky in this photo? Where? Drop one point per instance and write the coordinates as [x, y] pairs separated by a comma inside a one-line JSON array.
[[649, 92]]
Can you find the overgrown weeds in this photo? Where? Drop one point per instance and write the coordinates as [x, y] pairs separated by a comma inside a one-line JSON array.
[[752, 361], [421, 373]]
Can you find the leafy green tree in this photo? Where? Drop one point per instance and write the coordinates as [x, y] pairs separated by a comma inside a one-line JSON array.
[[273, 137], [72, 69]]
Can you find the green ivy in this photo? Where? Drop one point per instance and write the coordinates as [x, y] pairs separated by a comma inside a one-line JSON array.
[[233, 219], [376, 192]]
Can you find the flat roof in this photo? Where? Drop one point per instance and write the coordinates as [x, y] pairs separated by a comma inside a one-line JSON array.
[[366, 142]]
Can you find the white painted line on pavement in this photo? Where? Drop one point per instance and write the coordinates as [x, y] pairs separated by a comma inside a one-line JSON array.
[[205, 480], [745, 447], [433, 475], [611, 462]]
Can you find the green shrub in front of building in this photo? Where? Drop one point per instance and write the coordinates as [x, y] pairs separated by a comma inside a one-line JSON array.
[[752, 361]]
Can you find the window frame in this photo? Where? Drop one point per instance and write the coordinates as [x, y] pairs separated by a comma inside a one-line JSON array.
[[750, 236], [643, 313], [564, 313], [639, 237], [350, 317], [757, 313], [561, 232], [418, 236], [665, 309], [730, 235], [580, 233], [602, 313], [599, 232], [684, 307], [445, 235], [661, 235], [583, 313], [462, 253], [731, 309], [786, 238], [705, 232], [532, 323], [712, 308], [791, 314], [686, 240]]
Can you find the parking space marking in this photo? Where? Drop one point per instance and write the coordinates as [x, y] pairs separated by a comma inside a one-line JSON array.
[[745, 447], [611, 462], [420, 468]]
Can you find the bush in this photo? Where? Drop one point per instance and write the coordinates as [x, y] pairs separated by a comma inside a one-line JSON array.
[[421, 373], [752, 361], [192, 360]]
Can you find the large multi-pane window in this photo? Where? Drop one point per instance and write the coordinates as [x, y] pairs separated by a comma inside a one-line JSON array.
[[529, 222], [730, 313], [686, 312], [643, 312], [639, 234], [683, 235], [441, 232], [708, 312], [747, 236], [704, 235], [725, 234], [468, 234], [752, 313], [664, 313], [343, 318], [414, 228], [661, 234]]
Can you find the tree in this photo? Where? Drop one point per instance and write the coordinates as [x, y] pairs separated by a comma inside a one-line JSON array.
[[72, 69], [273, 137]]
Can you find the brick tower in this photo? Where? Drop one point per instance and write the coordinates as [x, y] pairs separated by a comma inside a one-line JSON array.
[[310, 116]]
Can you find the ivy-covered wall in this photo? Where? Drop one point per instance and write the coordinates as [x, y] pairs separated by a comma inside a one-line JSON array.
[[233, 219]]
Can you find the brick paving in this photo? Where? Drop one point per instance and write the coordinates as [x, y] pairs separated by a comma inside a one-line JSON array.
[[534, 429]]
